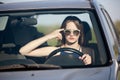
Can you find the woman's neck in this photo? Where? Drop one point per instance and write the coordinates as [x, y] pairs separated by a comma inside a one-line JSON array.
[[75, 46]]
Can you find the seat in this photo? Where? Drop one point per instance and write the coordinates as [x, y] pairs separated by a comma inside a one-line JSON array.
[[87, 39], [87, 33], [18, 32], [7, 40], [24, 32], [8, 49]]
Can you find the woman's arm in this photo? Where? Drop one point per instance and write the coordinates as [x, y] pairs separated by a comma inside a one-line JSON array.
[[45, 51], [30, 48]]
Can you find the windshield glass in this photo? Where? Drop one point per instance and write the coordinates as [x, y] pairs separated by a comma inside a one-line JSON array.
[[22, 28]]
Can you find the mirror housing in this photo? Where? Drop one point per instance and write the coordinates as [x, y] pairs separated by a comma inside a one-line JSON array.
[[119, 60]]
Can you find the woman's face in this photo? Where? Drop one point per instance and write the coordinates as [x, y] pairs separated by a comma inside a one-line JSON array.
[[72, 33]]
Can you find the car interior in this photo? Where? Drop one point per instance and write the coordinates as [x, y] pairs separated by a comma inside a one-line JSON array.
[[12, 37], [21, 30]]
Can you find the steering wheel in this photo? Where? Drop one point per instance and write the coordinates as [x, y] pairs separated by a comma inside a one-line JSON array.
[[68, 59]]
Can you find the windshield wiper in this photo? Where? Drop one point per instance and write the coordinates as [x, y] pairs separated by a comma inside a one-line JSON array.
[[17, 67]]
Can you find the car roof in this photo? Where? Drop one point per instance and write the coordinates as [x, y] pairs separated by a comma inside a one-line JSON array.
[[46, 4]]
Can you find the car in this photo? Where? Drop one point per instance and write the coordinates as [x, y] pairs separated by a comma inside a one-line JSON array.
[[23, 22]]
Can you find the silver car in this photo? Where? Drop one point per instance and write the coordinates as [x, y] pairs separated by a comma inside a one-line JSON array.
[[23, 22]]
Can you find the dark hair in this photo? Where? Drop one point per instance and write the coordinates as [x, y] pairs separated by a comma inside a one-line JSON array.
[[78, 24]]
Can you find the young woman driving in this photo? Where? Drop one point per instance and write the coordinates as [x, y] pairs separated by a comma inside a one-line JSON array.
[[72, 29]]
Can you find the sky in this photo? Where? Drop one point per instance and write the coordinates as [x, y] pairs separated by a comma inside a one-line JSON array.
[[112, 6]]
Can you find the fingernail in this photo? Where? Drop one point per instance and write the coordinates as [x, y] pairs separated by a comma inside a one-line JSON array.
[[84, 57]]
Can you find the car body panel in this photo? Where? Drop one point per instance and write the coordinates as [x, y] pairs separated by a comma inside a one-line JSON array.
[[99, 73], [65, 74], [42, 5], [105, 71]]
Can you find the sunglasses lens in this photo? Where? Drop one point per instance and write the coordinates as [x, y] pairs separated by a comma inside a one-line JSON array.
[[76, 32], [67, 32]]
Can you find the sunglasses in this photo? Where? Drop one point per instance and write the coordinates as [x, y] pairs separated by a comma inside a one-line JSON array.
[[75, 32]]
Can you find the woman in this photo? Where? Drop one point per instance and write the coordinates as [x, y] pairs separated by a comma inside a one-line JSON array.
[[72, 37]]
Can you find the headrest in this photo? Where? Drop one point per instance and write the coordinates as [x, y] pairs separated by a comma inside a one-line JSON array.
[[86, 27], [87, 32], [22, 21], [28, 21]]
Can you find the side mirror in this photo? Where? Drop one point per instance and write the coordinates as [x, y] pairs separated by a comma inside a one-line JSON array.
[[119, 61]]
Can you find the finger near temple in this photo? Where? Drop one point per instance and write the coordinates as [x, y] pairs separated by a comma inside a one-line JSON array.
[[61, 29]]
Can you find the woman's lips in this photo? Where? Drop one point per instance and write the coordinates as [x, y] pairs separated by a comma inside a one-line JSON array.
[[71, 38]]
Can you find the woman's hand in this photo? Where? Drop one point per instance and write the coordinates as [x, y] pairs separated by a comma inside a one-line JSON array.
[[86, 58], [56, 34]]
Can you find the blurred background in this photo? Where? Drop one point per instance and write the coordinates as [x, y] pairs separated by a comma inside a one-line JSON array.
[[112, 6]]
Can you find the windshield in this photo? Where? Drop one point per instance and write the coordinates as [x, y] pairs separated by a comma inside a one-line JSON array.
[[22, 28]]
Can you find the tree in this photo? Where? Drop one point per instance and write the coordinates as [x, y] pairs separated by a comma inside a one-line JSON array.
[[117, 26]]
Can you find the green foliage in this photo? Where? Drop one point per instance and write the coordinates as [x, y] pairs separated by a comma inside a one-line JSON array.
[[117, 27], [93, 36], [47, 30]]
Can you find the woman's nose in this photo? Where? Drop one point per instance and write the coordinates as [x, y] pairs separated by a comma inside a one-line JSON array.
[[71, 33]]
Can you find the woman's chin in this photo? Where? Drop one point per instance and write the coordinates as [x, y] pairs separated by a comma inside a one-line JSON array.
[[72, 42]]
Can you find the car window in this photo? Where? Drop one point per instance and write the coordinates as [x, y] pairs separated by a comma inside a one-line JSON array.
[[3, 21], [24, 27]]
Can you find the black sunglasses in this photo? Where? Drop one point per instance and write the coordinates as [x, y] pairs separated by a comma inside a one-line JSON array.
[[75, 32]]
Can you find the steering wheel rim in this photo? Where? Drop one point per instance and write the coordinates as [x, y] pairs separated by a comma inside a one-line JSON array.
[[60, 50], [64, 49]]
